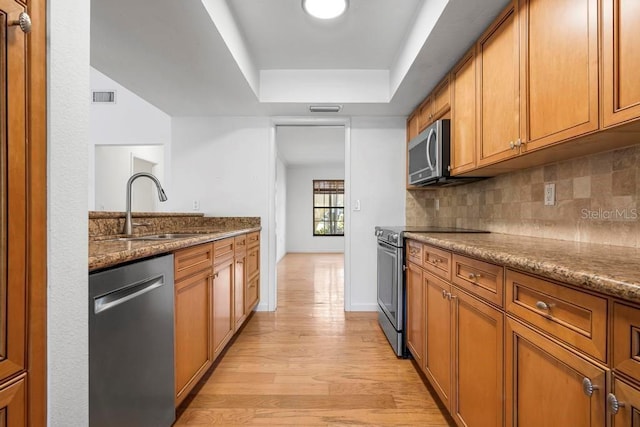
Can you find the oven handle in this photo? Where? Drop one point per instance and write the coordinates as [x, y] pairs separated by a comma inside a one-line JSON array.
[[387, 245]]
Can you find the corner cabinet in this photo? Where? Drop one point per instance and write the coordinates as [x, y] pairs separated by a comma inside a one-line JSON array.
[[211, 303], [23, 232]]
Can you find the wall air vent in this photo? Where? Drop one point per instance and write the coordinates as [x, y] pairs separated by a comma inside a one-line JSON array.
[[103, 97], [325, 108]]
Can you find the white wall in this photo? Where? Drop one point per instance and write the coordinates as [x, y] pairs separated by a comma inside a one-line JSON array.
[[68, 133], [377, 165], [300, 236], [113, 169], [281, 209], [131, 121], [224, 163]]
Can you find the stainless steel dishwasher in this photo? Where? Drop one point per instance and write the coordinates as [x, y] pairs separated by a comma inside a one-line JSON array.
[[131, 372]]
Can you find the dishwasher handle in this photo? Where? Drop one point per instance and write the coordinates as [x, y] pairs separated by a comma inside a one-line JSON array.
[[113, 299]]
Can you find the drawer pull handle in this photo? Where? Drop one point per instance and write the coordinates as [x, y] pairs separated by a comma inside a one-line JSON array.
[[543, 305], [474, 276], [588, 387], [613, 403], [435, 261]]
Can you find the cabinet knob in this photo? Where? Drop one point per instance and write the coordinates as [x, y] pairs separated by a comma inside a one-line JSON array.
[[444, 294], [512, 145], [543, 305], [24, 22], [588, 387], [613, 403]]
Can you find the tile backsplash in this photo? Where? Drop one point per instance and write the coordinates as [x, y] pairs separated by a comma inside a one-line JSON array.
[[596, 201]]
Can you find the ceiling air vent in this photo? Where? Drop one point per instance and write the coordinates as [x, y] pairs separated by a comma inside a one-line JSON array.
[[103, 97], [325, 108]]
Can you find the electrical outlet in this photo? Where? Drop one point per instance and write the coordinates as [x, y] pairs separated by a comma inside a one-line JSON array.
[[549, 194], [196, 205]]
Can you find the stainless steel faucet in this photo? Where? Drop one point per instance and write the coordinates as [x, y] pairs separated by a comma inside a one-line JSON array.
[[128, 224]]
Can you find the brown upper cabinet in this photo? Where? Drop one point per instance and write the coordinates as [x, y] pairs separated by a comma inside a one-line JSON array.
[[463, 115], [498, 65], [620, 61], [559, 47], [544, 73], [435, 105]]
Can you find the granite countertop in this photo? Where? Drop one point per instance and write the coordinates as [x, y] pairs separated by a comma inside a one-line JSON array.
[[109, 252], [611, 270]]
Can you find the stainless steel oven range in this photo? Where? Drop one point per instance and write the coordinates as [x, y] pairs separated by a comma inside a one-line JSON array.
[[391, 279]]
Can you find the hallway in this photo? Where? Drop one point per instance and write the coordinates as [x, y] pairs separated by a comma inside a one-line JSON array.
[[311, 364]]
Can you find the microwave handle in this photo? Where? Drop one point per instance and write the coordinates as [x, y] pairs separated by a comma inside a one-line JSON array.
[[431, 132]]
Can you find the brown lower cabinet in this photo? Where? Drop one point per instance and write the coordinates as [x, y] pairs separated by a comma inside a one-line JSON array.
[[463, 346], [624, 404], [530, 353], [545, 383], [223, 304], [13, 403], [211, 296]]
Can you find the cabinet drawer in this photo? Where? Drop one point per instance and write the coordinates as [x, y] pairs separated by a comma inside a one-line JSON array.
[[223, 250], [575, 317], [192, 260], [240, 243], [414, 251], [253, 239], [437, 261], [481, 278], [626, 340]]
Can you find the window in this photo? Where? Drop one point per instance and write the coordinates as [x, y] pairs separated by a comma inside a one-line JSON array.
[[328, 207]]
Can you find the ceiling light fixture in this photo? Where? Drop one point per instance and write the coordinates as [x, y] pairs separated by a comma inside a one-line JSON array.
[[325, 108], [324, 9]]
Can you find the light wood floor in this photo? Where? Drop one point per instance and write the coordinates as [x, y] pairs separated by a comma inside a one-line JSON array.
[[311, 364]]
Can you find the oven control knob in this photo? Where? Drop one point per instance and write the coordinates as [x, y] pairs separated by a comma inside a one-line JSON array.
[[394, 237]]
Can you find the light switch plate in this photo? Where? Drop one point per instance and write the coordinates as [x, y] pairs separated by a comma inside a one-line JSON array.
[[549, 194]]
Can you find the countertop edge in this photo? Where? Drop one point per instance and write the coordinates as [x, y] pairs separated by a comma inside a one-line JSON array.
[[147, 249], [588, 280]]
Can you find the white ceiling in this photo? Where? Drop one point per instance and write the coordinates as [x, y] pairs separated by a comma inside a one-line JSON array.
[[265, 57]]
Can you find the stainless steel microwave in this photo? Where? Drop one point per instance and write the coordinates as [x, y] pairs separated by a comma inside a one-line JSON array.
[[429, 154]]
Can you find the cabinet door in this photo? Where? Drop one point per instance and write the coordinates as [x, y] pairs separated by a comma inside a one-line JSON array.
[[415, 313], [13, 404], [437, 359], [625, 329], [477, 362], [425, 118], [559, 41], [412, 126], [628, 399], [252, 293], [12, 191], [463, 115], [545, 383], [441, 98], [620, 61], [253, 261], [498, 64], [222, 305], [193, 354], [239, 313]]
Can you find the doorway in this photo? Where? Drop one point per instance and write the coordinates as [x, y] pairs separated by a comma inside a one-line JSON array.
[[306, 156]]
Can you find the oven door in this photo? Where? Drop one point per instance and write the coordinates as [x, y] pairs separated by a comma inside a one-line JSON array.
[[390, 292]]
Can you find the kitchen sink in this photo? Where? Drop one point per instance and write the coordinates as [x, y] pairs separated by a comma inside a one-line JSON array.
[[165, 236]]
